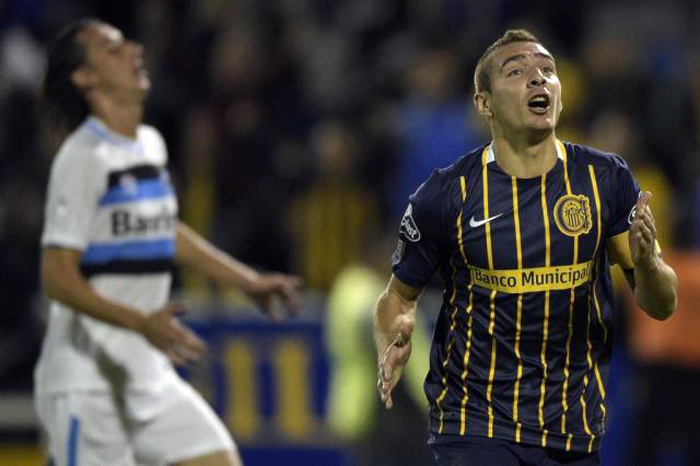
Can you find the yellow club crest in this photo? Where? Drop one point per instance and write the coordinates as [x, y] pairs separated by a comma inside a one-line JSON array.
[[572, 214]]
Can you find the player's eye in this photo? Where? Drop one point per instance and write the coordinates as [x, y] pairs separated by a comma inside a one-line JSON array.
[[548, 70], [515, 72]]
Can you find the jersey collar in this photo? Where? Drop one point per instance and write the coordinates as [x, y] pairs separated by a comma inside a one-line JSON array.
[[489, 155], [97, 127]]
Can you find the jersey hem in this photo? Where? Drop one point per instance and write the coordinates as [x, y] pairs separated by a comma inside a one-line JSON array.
[[476, 425]]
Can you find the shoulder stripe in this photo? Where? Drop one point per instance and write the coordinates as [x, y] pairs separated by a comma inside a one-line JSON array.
[[149, 189], [128, 267], [137, 172], [130, 250]]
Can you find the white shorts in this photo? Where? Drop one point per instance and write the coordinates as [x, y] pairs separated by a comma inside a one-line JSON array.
[[92, 429]]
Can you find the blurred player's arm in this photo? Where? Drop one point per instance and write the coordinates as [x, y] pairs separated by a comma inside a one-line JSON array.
[[192, 250], [63, 281], [393, 322], [654, 282]]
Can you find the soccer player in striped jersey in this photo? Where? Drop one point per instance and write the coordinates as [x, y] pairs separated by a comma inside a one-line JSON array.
[[106, 390], [523, 232]]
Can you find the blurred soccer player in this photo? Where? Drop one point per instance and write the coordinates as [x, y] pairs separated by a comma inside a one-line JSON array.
[[106, 390], [523, 231]]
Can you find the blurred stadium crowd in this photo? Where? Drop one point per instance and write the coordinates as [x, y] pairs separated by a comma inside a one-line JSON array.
[[297, 128]]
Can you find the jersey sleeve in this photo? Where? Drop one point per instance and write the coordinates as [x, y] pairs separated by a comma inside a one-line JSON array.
[[71, 200], [624, 192], [156, 141], [422, 233]]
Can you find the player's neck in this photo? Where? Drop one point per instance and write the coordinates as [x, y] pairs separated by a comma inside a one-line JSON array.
[[121, 117], [525, 158]]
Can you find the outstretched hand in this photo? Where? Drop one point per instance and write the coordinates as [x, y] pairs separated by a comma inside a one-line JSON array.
[[392, 363], [164, 330], [275, 292], [642, 236]]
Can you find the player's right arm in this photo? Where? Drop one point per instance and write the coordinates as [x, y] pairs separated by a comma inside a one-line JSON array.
[[422, 241], [393, 323], [63, 282]]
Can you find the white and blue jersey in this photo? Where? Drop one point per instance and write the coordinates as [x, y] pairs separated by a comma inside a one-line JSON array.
[[109, 197]]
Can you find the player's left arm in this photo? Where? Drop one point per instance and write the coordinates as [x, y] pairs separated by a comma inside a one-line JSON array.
[[264, 289], [653, 281]]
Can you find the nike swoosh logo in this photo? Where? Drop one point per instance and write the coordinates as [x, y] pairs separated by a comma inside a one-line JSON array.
[[475, 224]]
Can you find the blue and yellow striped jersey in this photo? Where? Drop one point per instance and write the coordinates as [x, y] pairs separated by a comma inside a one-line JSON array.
[[522, 345]]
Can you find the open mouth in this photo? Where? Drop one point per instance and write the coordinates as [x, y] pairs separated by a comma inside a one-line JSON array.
[[539, 103]]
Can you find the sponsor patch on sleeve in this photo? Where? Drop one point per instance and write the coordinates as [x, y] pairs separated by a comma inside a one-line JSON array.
[[409, 229], [398, 254]]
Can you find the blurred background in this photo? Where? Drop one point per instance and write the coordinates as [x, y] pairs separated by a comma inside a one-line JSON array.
[[296, 129]]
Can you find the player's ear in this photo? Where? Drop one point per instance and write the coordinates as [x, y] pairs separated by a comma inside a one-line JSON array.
[[561, 103], [83, 78], [482, 103]]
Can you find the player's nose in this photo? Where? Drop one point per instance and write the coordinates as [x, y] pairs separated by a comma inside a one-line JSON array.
[[537, 78]]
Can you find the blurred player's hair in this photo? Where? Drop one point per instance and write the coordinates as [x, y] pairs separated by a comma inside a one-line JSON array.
[[60, 103], [482, 83]]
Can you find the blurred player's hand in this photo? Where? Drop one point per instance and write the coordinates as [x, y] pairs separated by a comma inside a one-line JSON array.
[[164, 330], [642, 236], [393, 361], [273, 291]]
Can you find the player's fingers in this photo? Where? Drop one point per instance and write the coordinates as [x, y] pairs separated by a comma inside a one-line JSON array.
[[636, 240], [385, 388], [387, 368], [181, 335], [188, 353], [647, 234], [388, 402], [269, 308], [291, 298], [643, 201], [194, 345], [292, 281], [394, 355], [175, 357], [646, 248], [640, 239], [175, 309], [405, 332], [648, 222], [651, 215], [273, 310]]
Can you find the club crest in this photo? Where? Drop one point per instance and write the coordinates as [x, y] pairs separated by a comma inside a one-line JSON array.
[[572, 214]]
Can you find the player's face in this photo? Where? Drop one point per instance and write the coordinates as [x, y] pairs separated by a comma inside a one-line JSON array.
[[113, 65], [525, 89]]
